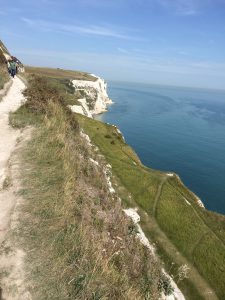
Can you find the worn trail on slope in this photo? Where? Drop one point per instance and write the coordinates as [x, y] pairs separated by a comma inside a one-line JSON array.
[[159, 192], [10, 102], [8, 136], [10, 256], [12, 273]]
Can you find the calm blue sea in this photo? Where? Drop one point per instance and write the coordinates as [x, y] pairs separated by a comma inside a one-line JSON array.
[[175, 129]]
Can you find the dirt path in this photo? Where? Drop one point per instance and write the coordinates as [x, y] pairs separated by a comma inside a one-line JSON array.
[[11, 257], [158, 195], [8, 135]]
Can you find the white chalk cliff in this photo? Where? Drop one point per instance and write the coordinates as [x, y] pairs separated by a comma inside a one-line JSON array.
[[94, 96]]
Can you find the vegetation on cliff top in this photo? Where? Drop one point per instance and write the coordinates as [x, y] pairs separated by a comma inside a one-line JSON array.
[[183, 232], [173, 214], [78, 241], [60, 73]]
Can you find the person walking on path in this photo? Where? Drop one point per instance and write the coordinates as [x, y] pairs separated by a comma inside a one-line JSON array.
[[13, 68]]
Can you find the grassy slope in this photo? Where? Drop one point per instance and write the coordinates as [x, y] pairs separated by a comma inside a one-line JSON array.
[[79, 244], [198, 234], [59, 73], [171, 223]]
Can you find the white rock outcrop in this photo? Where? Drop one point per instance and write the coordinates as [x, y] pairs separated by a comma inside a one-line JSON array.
[[95, 98], [82, 109]]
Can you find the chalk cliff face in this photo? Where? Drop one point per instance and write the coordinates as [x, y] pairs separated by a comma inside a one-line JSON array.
[[94, 96]]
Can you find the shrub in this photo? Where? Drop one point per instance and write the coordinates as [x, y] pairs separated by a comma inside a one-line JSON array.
[[165, 285]]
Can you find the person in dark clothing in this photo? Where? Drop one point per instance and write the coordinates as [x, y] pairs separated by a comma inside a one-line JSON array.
[[13, 68]]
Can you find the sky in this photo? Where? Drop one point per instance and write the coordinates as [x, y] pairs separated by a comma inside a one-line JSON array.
[[172, 42]]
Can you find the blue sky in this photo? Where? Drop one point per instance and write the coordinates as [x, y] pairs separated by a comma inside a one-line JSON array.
[[174, 42]]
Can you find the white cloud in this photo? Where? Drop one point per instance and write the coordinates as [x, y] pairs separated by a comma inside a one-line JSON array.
[[74, 29], [183, 7], [122, 50], [28, 21], [94, 30]]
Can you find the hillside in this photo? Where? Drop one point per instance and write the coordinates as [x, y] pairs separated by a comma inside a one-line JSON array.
[[175, 221], [93, 221], [65, 233], [60, 73]]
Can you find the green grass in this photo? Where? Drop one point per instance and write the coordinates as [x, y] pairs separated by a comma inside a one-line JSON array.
[[198, 234], [66, 89], [125, 162], [213, 268], [174, 215], [22, 118], [59, 73]]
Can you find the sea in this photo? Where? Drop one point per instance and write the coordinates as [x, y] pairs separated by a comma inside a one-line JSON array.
[[175, 129]]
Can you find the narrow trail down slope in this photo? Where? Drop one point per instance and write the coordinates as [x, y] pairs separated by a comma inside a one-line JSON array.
[[8, 135], [8, 138], [10, 257]]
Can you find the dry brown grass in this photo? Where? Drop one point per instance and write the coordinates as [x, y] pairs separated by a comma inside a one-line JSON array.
[[4, 75], [80, 245]]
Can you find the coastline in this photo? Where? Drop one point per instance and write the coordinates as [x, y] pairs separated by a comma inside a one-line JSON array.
[[182, 132], [183, 222], [188, 218], [101, 108], [130, 213]]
